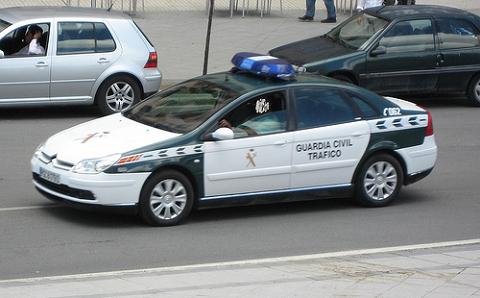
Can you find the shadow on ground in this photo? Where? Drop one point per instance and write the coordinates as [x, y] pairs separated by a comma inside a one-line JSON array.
[[112, 219], [48, 113]]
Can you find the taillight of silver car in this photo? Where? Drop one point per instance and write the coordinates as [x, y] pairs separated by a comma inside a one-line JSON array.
[[152, 60]]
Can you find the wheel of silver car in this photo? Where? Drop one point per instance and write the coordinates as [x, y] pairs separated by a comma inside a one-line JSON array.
[[166, 198], [473, 91], [118, 94], [379, 180]]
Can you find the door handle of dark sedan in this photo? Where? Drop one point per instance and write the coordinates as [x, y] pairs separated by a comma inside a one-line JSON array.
[[440, 59]]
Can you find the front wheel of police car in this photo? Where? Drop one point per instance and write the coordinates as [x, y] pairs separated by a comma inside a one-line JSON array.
[[379, 181], [166, 198]]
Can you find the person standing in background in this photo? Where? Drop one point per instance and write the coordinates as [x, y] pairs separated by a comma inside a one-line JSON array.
[[331, 14], [364, 4]]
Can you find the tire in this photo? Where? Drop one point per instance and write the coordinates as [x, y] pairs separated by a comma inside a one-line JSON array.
[[117, 94], [379, 181], [343, 78], [473, 92], [168, 188]]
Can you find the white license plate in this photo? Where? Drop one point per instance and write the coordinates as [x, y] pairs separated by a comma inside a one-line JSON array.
[[49, 176]]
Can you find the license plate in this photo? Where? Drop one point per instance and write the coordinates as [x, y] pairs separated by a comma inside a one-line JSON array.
[[49, 176]]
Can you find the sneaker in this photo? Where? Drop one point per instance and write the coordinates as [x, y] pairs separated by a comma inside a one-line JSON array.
[[329, 20], [305, 19]]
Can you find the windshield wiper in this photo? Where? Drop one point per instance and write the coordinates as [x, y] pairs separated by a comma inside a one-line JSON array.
[[331, 38], [345, 44]]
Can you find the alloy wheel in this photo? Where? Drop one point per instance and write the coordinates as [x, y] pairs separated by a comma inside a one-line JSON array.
[[380, 180], [119, 96], [168, 199]]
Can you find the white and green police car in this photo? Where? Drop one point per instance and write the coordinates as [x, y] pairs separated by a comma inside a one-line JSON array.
[[237, 138]]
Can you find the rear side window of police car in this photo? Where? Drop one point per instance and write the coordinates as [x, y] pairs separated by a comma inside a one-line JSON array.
[[316, 106], [84, 38]]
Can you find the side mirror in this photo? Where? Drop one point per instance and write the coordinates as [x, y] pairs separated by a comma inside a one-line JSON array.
[[380, 50], [223, 133], [2, 54]]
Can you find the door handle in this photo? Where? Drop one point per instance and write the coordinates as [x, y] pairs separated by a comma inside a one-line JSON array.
[[280, 143], [440, 59], [103, 60], [41, 64], [357, 134]]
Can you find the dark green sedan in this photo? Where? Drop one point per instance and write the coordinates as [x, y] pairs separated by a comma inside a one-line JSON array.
[[398, 50]]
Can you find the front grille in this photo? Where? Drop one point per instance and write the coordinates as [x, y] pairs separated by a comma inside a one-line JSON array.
[[44, 158], [64, 190], [62, 164]]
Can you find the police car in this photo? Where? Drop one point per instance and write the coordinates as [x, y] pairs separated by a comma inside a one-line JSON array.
[[258, 133]]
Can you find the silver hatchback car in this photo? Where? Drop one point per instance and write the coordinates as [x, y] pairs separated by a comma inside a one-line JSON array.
[[74, 56]]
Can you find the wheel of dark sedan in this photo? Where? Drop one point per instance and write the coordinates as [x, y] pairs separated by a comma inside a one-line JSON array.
[[166, 199], [343, 78], [117, 94], [379, 181], [473, 91]]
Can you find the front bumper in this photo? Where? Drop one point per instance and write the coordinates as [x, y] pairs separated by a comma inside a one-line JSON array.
[[113, 190]]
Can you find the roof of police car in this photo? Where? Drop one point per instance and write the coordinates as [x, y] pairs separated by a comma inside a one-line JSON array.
[[392, 12], [244, 82], [15, 14]]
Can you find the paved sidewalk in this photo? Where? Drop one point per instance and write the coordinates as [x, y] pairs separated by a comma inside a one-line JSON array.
[[435, 272]]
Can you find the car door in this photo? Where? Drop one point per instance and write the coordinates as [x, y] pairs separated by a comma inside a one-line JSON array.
[[459, 53], [24, 77], [330, 139], [84, 50], [403, 60], [258, 158]]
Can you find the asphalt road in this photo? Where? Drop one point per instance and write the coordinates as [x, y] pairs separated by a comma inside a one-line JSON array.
[[49, 240]]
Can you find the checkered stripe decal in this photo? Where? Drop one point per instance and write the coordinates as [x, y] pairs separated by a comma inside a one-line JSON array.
[[163, 153]]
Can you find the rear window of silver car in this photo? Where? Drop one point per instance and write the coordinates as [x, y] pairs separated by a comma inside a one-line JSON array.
[[3, 25], [84, 37]]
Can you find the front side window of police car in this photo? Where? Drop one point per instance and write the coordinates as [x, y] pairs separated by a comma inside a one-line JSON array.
[[261, 115], [320, 106], [182, 108]]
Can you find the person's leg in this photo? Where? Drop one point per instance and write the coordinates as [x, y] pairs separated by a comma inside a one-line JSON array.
[[310, 11], [330, 5], [310, 8]]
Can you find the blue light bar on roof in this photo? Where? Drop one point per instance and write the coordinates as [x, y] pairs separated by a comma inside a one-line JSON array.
[[266, 66]]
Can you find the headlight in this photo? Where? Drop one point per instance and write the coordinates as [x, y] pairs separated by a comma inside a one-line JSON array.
[[38, 150], [94, 166]]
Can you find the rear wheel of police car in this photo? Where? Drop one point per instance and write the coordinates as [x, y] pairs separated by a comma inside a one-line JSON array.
[[117, 94], [166, 198], [379, 181], [473, 91]]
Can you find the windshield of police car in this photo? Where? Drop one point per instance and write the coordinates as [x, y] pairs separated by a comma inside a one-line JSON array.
[[355, 32], [182, 108]]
